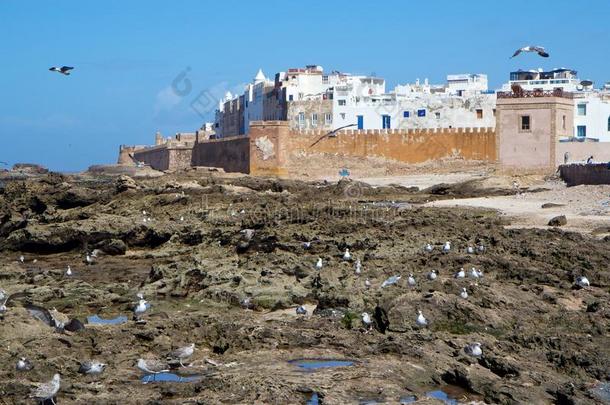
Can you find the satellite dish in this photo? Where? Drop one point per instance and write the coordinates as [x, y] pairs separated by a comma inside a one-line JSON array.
[[586, 83]]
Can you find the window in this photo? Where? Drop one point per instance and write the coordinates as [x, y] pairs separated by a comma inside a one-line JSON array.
[[608, 123], [494, 111], [582, 109], [525, 123], [341, 102], [563, 122], [342, 116], [360, 121], [328, 119], [301, 119], [324, 79], [479, 114], [385, 121], [437, 115], [581, 131], [421, 113], [314, 120], [291, 98], [406, 114]]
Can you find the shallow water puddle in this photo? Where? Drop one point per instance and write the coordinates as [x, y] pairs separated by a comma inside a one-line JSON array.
[[169, 377], [96, 320], [314, 400], [602, 392], [316, 364], [409, 399], [442, 396]]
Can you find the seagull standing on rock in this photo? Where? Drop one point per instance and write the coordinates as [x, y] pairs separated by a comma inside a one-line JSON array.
[[481, 248], [432, 275], [367, 283], [473, 349], [474, 273], [411, 280], [470, 250], [319, 263], [464, 293], [91, 367], [366, 320], [347, 255], [460, 274], [358, 266], [23, 364], [446, 247], [582, 282], [428, 248], [182, 353], [46, 391], [21, 259], [421, 320], [69, 271], [301, 310], [140, 308], [306, 245]]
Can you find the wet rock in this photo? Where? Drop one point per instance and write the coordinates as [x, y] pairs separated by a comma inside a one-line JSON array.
[[380, 317], [559, 220], [551, 205], [113, 247]]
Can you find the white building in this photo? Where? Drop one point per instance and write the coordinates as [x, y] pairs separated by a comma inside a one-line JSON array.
[[463, 102], [591, 106]]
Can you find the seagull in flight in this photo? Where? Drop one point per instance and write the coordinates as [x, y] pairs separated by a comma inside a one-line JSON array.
[[532, 48], [64, 70], [332, 134]]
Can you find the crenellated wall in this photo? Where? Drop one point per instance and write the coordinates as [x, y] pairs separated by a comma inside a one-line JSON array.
[[272, 143]]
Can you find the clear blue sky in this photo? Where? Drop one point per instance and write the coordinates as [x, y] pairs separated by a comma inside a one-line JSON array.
[[126, 55]]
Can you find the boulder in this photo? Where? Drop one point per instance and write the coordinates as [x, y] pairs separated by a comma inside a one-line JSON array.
[[559, 220]]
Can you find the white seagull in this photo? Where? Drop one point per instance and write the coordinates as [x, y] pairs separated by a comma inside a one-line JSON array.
[[366, 320], [421, 320], [306, 245], [481, 248], [91, 367], [473, 349], [474, 273], [367, 283], [428, 248], [21, 259], [69, 271], [140, 308], [447, 247], [470, 250], [347, 255], [411, 280], [464, 293], [582, 281], [460, 274], [390, 281], [432, 275], [23, 364], [358, 266], [319, 263], [46, 391], [301, 310], [64, 70], [532, 48]]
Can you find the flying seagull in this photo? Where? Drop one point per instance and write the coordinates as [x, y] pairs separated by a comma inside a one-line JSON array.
[[64, 70], [390, 281], [182, 353], [44, 315], [538, 49], [45, 391], [331, 134]]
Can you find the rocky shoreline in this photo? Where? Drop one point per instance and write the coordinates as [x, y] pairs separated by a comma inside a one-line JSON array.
[[180, 240]]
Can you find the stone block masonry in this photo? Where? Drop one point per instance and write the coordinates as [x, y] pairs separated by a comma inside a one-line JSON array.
[[576, 174], [232, 154], [273, 143], [166, 157]]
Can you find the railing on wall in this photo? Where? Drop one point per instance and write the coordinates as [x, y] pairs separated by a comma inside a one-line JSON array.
[[518, 92]]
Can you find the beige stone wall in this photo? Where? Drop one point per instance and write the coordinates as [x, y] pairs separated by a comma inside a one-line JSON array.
[[273, 145], [309, 107], [231, 154], [580, 151], [166, 157]]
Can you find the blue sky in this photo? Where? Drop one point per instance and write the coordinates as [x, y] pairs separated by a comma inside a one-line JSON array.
[[127, 54]]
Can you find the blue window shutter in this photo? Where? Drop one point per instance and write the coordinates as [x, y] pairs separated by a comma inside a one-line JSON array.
[[405, 114], [421, 113]]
